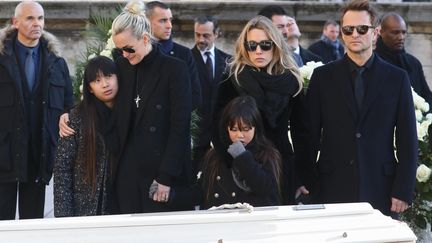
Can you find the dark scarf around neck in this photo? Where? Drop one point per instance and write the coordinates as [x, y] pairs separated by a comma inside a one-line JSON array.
[[395, 57], [166, 45], [271, 92]]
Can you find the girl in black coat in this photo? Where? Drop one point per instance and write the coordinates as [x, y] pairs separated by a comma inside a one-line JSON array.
[[247, 170]]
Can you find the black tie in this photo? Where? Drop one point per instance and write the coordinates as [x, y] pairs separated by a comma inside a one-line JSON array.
[[359, 87], [29, 68], [209, 65]]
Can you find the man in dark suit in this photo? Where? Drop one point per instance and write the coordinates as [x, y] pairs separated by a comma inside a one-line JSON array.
[[211, 63], [160, 17], [390, 47], [357, 107], [329, 48], [291, 32]]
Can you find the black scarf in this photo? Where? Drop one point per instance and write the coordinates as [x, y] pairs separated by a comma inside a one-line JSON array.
[[271, 92], [395, 57], [105, 126]]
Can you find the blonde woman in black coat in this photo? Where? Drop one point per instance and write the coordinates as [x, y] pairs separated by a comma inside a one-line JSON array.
[[263, 69]]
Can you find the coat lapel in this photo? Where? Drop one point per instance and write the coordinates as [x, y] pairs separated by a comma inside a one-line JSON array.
[[147, 90], [346, 88], [373, 86]]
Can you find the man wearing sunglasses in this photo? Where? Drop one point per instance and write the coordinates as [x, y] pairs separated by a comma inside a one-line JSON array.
[[160, 17], [390, 47], [288, 27], [358, 106]]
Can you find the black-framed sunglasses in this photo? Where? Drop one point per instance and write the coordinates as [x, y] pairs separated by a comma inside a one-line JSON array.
[[125, 49], [265, 45], [361, 29]]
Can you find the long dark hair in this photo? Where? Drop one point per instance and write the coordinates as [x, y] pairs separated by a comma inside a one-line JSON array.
[[241, 111], [97, 66]]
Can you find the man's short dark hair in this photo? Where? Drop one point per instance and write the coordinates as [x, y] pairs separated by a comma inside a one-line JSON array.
[[271, 10], [206, 18], [150, 6]]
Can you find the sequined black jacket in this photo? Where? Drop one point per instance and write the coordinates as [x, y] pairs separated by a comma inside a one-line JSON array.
[[72, 195]]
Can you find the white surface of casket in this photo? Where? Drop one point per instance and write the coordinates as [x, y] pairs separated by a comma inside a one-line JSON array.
[[356, 222]]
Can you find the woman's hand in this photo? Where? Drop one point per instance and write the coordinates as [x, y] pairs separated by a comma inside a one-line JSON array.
[[162, 193], [64, 129]]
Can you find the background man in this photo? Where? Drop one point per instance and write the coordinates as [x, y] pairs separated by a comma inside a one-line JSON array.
[[211, 63], [358, 105], [390, 47], [160, 17], [291, 32], [35, 90], [329, 48]]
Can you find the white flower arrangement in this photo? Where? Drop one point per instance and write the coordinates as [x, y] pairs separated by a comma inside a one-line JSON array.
[[306, 71]]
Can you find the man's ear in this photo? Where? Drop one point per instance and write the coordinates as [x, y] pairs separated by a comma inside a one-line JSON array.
[[14, 22]]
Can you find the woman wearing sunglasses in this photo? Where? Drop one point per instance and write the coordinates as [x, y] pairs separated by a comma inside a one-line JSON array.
[[153, 110], [263, 69]]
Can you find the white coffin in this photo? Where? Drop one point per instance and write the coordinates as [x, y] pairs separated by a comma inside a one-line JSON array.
[[355, 222]]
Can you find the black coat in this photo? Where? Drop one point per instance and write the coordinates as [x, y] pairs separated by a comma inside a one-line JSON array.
[[410, 64], [325, 51], [154, 139], [224, 190], [208, 91], [56, 89], [308, 56], [357, 160], [184, 53], [293, 114]]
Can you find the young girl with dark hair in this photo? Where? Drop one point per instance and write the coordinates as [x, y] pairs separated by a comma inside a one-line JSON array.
[[250, 169], [247, 170], [82, 164]]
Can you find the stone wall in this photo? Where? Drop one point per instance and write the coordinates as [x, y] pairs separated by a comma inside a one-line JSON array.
[[67, 19]]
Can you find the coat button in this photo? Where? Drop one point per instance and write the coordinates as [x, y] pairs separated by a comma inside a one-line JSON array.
[[158, 107], [233, 194], [216, 195], [358, 135], [218, 178], [152, 129], [351, 162]]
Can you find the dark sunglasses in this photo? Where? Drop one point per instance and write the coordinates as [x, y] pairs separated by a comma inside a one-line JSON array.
[[265, 45], [361, 29], [125, 49]]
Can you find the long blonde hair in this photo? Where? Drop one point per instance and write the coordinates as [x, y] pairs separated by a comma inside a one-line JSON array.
[[282, 60]]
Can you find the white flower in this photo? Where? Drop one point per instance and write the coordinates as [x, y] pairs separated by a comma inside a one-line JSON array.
[[307, 70], [419, 115], [106, 53], [419, 102], [421, 132], [93, 55], [423, 173]]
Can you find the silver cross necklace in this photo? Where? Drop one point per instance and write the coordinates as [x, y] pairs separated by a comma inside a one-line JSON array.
[[138, 98]]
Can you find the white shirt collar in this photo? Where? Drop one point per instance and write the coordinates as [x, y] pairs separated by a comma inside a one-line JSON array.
[[211, 50]]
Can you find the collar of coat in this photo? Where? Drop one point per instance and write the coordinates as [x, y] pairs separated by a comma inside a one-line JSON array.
[[8, 33]]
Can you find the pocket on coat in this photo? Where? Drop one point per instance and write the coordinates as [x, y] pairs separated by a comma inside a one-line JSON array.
[[5, 152], [56, 93]]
